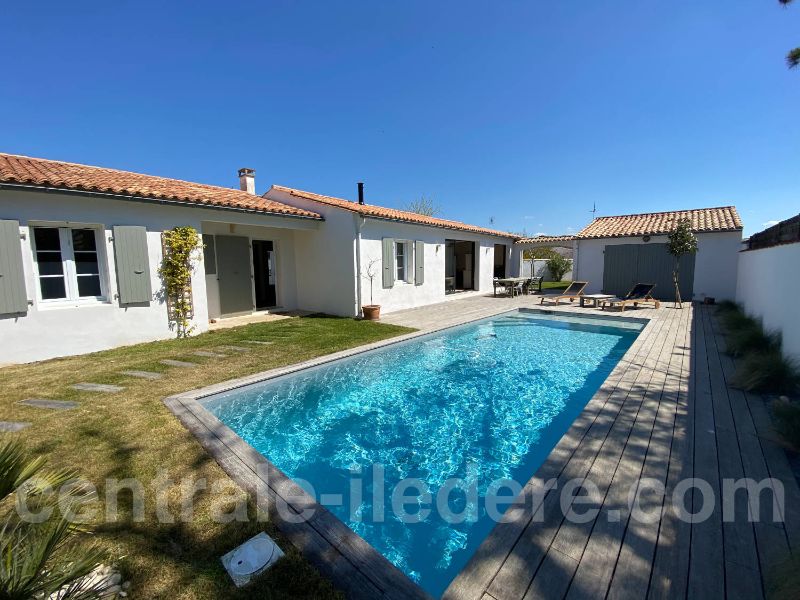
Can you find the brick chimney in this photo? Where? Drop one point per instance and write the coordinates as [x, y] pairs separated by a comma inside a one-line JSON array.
[[247, 180]]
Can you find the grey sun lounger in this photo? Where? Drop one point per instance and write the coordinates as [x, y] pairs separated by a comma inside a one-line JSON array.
[[642, 293]]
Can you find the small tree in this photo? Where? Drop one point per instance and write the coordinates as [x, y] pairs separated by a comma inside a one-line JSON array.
[[424, 206], [545, 252], [558, 266], [681, 241], [370, 273]]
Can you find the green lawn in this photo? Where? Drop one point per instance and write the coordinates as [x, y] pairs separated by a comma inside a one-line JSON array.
[[132, 434], [555, 285]]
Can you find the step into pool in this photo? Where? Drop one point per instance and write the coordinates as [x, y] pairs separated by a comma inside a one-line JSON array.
[[453, 413]]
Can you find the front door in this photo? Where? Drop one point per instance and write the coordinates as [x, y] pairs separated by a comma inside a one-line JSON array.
[[233, 273], [264, 274]]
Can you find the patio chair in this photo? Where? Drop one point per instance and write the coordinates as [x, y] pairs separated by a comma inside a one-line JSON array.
[[496, 283], [642, 293], [573, 292], [533, 284]]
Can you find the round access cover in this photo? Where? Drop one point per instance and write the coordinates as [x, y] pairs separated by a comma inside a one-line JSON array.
[[252, 556]]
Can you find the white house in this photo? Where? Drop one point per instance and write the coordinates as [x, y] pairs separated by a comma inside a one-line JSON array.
[[614, 253], [80, 248]]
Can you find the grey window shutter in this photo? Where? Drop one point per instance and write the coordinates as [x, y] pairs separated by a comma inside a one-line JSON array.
[[133, 265], [419, 263], [388, 262], [13, 297]]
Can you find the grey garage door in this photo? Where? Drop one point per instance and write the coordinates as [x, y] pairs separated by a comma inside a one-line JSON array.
[[628, 264]]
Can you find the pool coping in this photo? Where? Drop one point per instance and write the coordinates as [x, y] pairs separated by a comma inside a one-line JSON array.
[[340, 554]]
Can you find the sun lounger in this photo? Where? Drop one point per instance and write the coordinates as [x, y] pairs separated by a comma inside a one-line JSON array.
[[573, 292], [642, 293]]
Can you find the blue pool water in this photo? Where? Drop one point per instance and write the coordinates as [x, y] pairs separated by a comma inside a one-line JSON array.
[[482, 402]]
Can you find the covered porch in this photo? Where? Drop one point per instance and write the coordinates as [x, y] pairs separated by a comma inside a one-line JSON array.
[[251, 266]]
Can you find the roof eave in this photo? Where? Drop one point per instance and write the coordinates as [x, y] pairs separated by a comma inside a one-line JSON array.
[[640, 234], [152, 199]]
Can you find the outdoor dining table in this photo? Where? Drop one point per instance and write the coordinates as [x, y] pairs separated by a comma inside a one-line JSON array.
[[509, 282]]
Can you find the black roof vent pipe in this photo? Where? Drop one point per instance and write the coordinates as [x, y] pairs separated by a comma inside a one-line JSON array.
[[361, 192]]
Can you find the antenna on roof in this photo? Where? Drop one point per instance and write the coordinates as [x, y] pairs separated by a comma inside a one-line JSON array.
[[594, 210]]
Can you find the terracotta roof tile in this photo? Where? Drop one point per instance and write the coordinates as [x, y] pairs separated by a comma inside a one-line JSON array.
[[723, 218], [24, 170], [391, 214], [546, 239]]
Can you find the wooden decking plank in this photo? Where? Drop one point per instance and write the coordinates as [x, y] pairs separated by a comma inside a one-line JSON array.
[[738, 534], [771, 542], [596, 568], [630, 425], [553, 578], [780, 469], [520, 565], [669, 574], [497, 548], [635, 561], [706, 567]]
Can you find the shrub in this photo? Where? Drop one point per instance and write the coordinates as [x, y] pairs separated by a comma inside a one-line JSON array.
[[751, 338], [783, 582], [727, 306], [558, 266], [766, 371], [787, 419]]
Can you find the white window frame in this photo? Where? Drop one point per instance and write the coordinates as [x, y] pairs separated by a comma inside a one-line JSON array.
[[408, 262], [68, 265]]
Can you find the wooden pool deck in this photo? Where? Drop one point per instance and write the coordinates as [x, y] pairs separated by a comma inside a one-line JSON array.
[[666, 413]]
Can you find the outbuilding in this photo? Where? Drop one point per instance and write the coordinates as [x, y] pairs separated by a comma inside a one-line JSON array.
[[614, 253]]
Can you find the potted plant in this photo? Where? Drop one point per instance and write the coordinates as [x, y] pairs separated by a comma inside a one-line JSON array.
[[371, 312]]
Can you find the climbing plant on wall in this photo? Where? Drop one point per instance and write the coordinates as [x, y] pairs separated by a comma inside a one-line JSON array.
[[181, 250]]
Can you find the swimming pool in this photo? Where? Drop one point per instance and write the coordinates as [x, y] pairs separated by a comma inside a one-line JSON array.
[[456, 411]]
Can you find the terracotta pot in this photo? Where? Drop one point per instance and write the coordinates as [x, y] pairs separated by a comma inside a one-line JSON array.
[[372, 312]]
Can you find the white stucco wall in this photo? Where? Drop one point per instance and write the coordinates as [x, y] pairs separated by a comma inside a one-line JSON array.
[[58, 329], [407, 295], [327, 279], [715, 269], [325, 259], [768, 287]]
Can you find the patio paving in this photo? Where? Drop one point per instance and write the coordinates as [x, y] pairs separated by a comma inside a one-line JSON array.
[[143, 374], [51, 404], [98, 387], [665, 412], [12, 426], [178, 363]]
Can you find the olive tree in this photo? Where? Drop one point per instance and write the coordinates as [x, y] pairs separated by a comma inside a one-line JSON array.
[[681, 241]]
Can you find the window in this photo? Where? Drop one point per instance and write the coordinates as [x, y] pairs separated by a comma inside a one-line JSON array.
[[401, 260], [209, 254], [68, 263]]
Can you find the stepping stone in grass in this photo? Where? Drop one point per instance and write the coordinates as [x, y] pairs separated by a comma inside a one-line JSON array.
[[178, 363], [11, 426], [98, 387], [54, 404], [208, 354], [257, 342], [143, 374], [234, 348]]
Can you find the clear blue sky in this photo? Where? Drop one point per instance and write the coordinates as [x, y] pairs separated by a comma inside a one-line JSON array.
[[527, 112]]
